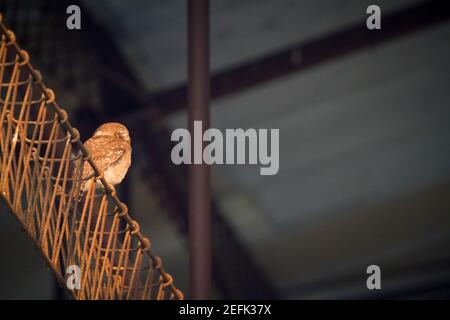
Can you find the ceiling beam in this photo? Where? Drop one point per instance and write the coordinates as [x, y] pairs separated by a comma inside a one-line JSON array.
[[301, 56]]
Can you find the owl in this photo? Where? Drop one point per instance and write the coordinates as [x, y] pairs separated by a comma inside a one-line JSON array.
[[110, 148]]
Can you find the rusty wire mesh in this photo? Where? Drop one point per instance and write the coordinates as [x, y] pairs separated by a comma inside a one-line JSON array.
[[41, 158]]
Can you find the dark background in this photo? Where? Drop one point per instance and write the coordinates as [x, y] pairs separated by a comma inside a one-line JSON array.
[[364, 138]]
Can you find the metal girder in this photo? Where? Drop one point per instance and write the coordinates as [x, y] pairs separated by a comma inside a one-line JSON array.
[[302, 56]]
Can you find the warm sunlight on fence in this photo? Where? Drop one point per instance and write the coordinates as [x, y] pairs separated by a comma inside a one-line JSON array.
[[41, 158]]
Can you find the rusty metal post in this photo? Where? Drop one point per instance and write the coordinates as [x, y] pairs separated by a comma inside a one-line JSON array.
[[199, 203]]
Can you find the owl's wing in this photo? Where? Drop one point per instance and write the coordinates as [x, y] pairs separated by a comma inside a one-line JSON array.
[[104, 152]]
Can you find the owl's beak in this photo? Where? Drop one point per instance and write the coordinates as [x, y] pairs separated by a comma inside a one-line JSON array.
[[123, 136]]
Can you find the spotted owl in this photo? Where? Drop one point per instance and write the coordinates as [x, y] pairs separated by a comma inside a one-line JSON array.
[[110, 148]]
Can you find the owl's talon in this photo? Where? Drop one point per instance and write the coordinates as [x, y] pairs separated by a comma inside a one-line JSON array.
[[113, 190]]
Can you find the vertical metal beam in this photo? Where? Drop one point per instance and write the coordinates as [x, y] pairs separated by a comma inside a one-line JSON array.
[[199, 203]]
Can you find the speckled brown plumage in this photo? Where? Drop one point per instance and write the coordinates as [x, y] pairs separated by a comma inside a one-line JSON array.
[[110, 148]]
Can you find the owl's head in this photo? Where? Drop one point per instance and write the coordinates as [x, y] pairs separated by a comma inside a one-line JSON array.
[[113, 129]]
